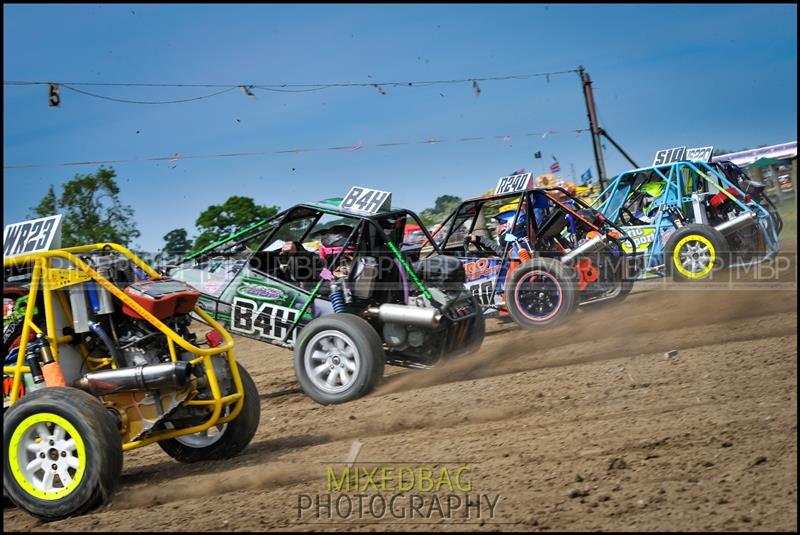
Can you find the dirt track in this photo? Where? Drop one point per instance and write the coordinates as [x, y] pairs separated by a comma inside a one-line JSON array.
[[588, 426]]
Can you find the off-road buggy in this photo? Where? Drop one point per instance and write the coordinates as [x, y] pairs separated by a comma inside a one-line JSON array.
[[690, 217], [100, 357], [328, 280], [536, 253]]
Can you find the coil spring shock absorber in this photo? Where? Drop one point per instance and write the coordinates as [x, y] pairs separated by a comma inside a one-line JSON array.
[[337, 297], [522, 250]]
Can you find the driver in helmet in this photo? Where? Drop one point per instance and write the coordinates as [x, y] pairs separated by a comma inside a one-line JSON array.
[[504, 218], [332, 243], [305, 267], [649, 193]]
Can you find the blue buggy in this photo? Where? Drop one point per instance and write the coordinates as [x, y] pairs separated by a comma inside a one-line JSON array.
[[690, 217]]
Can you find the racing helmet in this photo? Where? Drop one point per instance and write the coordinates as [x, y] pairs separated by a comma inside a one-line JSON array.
[[332, 241], [336, 235], [505, 217], [654, 189], [650, 192]]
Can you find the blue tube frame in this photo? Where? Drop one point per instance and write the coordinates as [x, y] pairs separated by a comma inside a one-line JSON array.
[[673, 196]]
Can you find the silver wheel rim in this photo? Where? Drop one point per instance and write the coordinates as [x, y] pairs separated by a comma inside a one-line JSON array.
[[332, 361], [206, 438], [52, 456], [203, 439], [695, 257]]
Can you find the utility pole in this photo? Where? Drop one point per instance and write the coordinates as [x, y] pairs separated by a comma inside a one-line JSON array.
[[593, 126]]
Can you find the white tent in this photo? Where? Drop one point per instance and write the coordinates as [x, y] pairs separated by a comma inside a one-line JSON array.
[[784, 151]]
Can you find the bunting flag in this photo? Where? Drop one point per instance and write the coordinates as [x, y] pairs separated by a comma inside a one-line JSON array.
[[173, 160]]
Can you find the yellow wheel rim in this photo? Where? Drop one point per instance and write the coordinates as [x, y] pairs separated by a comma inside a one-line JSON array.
[[694, 256], [47, 456]]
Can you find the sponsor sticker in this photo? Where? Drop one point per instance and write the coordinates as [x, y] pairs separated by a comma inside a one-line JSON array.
[[642, 238], [482, 267], [263, 293]]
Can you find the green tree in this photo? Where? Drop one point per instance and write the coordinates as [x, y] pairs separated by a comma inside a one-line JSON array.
[[219, 221], [176, 244], [442, 207], [92, 210], [47, 206]]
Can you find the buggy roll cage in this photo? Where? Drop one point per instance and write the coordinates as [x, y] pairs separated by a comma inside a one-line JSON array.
[[684, 194], [54, 269], [317, 210], [532, 225]]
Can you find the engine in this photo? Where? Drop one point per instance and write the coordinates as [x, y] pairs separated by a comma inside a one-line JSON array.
[[429, 327], [143, 378]]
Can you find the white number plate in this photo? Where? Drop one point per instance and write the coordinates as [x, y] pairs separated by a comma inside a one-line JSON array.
[[513, 183], [366, 200], [32, 236]]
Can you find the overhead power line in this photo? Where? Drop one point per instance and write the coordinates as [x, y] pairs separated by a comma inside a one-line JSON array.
[[350, 148], [285, 88], [127, 101], [332, 84]]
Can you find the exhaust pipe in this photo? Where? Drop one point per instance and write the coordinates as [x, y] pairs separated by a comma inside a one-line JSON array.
[[422, 317], [737, 222], [150, 377], [589, 247]]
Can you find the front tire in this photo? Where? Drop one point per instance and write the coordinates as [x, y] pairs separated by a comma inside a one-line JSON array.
[[541, 292], [221, 441], [694, 253], [338, 358], [63, 453]]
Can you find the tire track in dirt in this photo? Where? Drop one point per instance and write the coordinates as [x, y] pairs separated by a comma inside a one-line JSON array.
[[607, 343], [648, 455], [189, 498], [389, 426]]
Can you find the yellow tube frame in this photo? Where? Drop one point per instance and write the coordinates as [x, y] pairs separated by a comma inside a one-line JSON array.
[[41, 267]]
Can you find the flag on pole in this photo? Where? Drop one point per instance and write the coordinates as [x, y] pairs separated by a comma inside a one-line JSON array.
[[586, 177], [554, 167], [537, 154]]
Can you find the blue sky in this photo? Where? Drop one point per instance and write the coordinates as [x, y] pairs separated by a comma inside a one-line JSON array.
[[664, 76]]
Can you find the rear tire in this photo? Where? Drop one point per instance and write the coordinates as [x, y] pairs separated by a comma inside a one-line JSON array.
[[695, 252], [230, 439], [541, 292], [67, 429], [338, 358]]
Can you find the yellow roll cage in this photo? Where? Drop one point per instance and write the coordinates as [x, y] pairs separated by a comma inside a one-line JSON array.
[[52, 279]]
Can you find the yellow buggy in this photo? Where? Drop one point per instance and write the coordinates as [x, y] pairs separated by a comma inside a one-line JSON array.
[[101, 355]]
